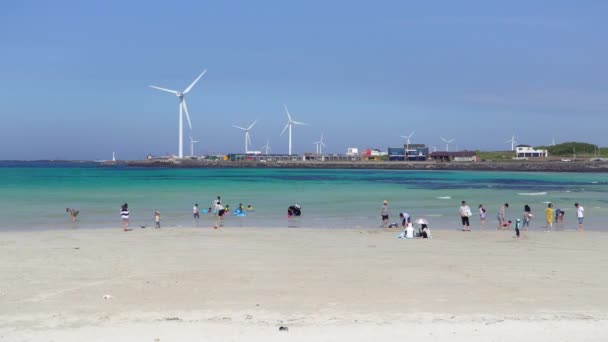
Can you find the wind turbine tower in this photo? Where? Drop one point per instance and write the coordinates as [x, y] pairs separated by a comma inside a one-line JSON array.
[[192, 142], [320, 144], [247, 137], [407, 139], [114, 156], [512, 141], [182, 109], [447, 143], [290, 122], [267, 147]]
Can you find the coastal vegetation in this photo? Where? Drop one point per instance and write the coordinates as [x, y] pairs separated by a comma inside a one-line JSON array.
[[580, 149]]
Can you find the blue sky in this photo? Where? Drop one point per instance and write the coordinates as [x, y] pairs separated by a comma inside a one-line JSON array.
[[74, 75]]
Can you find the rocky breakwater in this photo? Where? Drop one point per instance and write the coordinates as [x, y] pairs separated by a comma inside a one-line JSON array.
[[523, 166]]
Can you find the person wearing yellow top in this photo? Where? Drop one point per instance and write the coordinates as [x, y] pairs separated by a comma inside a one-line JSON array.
[[549, 216]]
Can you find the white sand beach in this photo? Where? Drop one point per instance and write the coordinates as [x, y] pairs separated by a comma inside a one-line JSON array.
[[242, 284]]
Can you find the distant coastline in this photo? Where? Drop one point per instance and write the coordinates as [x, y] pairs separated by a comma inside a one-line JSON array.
[[514, 166], [507, 166]]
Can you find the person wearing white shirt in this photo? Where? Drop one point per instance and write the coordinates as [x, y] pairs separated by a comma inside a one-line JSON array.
[[409, 231], [195, 212], [580, 215], [465, 213]]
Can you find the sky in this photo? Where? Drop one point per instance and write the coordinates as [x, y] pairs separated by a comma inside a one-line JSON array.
[[74, 75]]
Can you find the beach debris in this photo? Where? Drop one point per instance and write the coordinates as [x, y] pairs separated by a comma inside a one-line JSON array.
[[108, 296], [172, 319], [142, 226], [157, 339], [283, 328], [75, 247]]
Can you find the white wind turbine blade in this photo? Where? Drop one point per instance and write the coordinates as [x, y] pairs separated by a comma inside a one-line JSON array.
[[287, 111], [299, 123], [451, 141], [244, 129], [194, 82], [411, 134], [186, 111], [284, 129], [165, 89], [444, 139], [248, 128]]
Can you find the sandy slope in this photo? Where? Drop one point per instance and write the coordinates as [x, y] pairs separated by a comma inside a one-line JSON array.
[[334, 284]]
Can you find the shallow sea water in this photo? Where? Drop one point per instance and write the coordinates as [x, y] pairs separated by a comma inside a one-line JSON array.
[[35, 195]]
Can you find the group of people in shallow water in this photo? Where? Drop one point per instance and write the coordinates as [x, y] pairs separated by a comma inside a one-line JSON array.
[[551, 215], [465, 214], [219, 210]]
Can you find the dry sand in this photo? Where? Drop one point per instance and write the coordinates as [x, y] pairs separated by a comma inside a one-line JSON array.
[[194, 284]]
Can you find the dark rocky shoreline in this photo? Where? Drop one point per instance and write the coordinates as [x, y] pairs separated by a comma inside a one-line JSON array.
[[515, 166]]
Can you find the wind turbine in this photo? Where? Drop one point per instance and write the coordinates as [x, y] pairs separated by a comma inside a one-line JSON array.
[[247, 138], [290, 123], [182, 109], [320, 144], [267, 147], [447, 143], [192, 142], [113, 156], [512, 141], [407, 138], [553, 142]]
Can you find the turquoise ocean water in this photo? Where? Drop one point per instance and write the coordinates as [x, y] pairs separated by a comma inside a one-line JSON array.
[[35, 195]]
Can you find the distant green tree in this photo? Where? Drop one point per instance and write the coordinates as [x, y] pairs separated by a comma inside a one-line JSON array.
[[568, 148]]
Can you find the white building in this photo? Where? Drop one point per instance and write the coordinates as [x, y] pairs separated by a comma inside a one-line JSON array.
[[352, 152], [527, 151]]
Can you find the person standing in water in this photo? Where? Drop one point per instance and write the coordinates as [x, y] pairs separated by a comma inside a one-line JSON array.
[[465, 213], [482, 216], [580, 215], [385, 211], [157, 219], [527, 217], [195, 212], [502, 212], [124, 217], [549, 217]]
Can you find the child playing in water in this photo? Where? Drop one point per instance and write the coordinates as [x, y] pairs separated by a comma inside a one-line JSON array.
[[73, 213]]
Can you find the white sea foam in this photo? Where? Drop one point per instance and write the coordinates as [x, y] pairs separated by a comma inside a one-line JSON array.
[[434, 215], [444, 197], [531, 193], [594, 182], [546, 202]]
